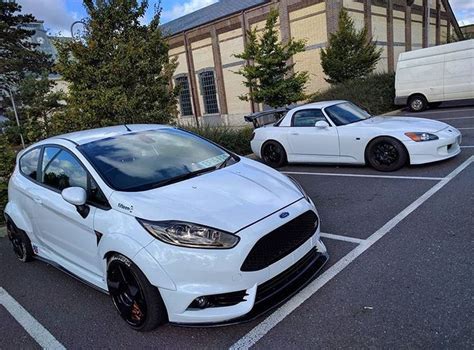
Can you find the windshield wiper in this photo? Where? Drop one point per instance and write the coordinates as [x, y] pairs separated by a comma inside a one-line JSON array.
[[224, 163]]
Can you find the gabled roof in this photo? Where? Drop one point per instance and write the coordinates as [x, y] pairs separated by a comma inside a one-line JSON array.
[[220, 9]]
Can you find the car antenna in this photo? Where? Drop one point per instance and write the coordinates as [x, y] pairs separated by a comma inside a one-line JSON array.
[[126, 127]]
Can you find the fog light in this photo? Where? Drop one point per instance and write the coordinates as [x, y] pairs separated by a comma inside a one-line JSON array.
[[200, 302]]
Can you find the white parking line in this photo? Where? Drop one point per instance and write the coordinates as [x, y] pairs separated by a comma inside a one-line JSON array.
[[342, 238], [467, 146], [454, 118], [28, 322], [464, 128], [365, 175], [467, 109], [271, 321]]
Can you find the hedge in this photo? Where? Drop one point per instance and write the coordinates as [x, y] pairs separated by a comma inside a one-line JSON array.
[[375, 93], [234, 139]]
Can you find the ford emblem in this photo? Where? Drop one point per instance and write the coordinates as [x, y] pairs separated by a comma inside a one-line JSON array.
[[284, 214]]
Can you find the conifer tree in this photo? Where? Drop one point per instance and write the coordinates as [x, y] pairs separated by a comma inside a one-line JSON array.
[[349, 54], [269, 77], [119, 72]]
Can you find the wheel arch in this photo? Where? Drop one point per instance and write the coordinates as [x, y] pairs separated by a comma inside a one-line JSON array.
[[417, 94], [276, 141], [122, 244], [387, 136], [17, 216]]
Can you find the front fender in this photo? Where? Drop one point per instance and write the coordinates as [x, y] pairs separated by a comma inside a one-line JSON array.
[[125, 245]]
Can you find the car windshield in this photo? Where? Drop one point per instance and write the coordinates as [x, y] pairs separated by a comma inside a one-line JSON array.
[[346, 113], [140, 161]]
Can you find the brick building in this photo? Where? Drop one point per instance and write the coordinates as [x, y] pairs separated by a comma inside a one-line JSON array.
[[205, 41]]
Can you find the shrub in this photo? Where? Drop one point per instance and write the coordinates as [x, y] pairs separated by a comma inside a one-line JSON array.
[[375, 93], [234, 139], [7, 164]]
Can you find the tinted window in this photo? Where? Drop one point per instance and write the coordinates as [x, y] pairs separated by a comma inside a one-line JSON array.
[[308, 117], [346, 113], [29, 163], [143, 160], [61, 170]]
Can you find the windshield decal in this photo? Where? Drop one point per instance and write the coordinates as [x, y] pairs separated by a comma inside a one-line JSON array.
[[213, 161]]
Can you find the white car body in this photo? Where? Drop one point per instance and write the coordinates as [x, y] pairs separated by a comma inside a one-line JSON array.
[[245, 198], [348, 143]]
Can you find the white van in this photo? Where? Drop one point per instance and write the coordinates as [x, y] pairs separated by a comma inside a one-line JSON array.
[[427, 77]]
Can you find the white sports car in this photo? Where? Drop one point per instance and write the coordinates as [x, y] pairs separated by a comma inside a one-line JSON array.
[[172, 226], [341, 132]]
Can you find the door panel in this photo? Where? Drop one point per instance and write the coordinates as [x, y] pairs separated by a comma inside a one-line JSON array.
[[459, 75], [63, 230], [309, 143]]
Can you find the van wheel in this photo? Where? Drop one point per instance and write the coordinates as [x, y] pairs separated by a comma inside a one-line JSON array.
[[138, 302], [20, 242], [417, 103]]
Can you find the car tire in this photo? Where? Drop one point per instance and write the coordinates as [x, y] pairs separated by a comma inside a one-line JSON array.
[[273, 154], [386, 154], [137, 301], [20, 242], [417, 103]]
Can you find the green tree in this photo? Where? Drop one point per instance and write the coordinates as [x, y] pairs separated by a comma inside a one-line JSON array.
[[349, 54], [18, 56], [7, 163], [120, 71], [269, 77]]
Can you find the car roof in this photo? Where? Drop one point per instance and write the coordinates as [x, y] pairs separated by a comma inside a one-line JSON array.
[[319, 104], [91, 135]]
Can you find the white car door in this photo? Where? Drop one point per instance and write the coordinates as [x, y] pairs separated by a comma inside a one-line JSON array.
[[63, 231], [309, 143]]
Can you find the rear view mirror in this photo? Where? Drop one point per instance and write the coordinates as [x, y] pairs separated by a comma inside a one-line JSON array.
[[321, 124]]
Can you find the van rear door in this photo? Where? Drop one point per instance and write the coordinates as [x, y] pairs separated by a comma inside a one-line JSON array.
[[459, 74]]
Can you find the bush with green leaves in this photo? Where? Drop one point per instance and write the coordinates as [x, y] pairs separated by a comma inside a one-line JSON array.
[[235, 139], [375, 93], [7, 164]]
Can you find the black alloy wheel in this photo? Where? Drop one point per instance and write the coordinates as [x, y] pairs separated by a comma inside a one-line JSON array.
[[386, 154], [136, 300], [21, 243], [273, 154]]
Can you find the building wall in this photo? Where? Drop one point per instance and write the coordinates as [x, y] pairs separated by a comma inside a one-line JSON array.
[[214, 45]]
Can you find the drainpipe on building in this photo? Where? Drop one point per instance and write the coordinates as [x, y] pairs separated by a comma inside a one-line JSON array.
[[9, 91]]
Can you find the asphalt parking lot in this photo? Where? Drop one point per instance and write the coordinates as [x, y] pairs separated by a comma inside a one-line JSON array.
[[400, 273]]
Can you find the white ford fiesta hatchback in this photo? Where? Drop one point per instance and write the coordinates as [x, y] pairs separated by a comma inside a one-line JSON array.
[[173, 227]]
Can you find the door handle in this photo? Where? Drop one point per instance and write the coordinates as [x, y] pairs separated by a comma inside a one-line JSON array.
[[38, 200], [294, 133]]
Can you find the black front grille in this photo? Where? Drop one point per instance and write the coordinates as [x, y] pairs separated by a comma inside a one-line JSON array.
[[281, 242]]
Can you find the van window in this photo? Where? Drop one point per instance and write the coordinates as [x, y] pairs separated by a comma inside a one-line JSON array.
[[29, 163]]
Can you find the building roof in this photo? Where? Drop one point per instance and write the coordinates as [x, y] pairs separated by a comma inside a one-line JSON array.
[[220, 9]]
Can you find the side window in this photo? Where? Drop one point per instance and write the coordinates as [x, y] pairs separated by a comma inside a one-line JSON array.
[[61, 170], [307, 118], [29, 163]]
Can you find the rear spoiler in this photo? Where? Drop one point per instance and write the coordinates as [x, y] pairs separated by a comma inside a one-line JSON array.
[[271, 116]]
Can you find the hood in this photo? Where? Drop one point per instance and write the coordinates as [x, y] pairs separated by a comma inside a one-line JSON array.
[[403, 124], [227, 199]]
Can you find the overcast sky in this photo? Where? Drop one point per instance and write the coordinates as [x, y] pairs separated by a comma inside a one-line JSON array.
[[58, 15]]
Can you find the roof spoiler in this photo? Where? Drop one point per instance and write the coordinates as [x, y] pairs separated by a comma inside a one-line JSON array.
[[270, 116]]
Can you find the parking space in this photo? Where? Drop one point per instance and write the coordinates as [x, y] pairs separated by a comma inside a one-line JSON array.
[[400, 271]]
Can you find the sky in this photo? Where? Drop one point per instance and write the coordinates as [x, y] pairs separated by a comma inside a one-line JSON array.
[[58, 15]]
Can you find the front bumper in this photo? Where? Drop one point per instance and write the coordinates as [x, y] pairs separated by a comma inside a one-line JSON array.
[[448, 145], [201, 272]]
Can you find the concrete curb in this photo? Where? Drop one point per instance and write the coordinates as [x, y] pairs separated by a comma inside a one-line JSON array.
[[395, 112]]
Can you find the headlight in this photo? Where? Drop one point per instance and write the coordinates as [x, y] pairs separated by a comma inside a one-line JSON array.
[[190, 235], [300, 188], [421, 136]]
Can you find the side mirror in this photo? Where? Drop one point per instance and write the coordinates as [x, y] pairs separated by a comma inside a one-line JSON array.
[[77, 196], [321, 124]]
